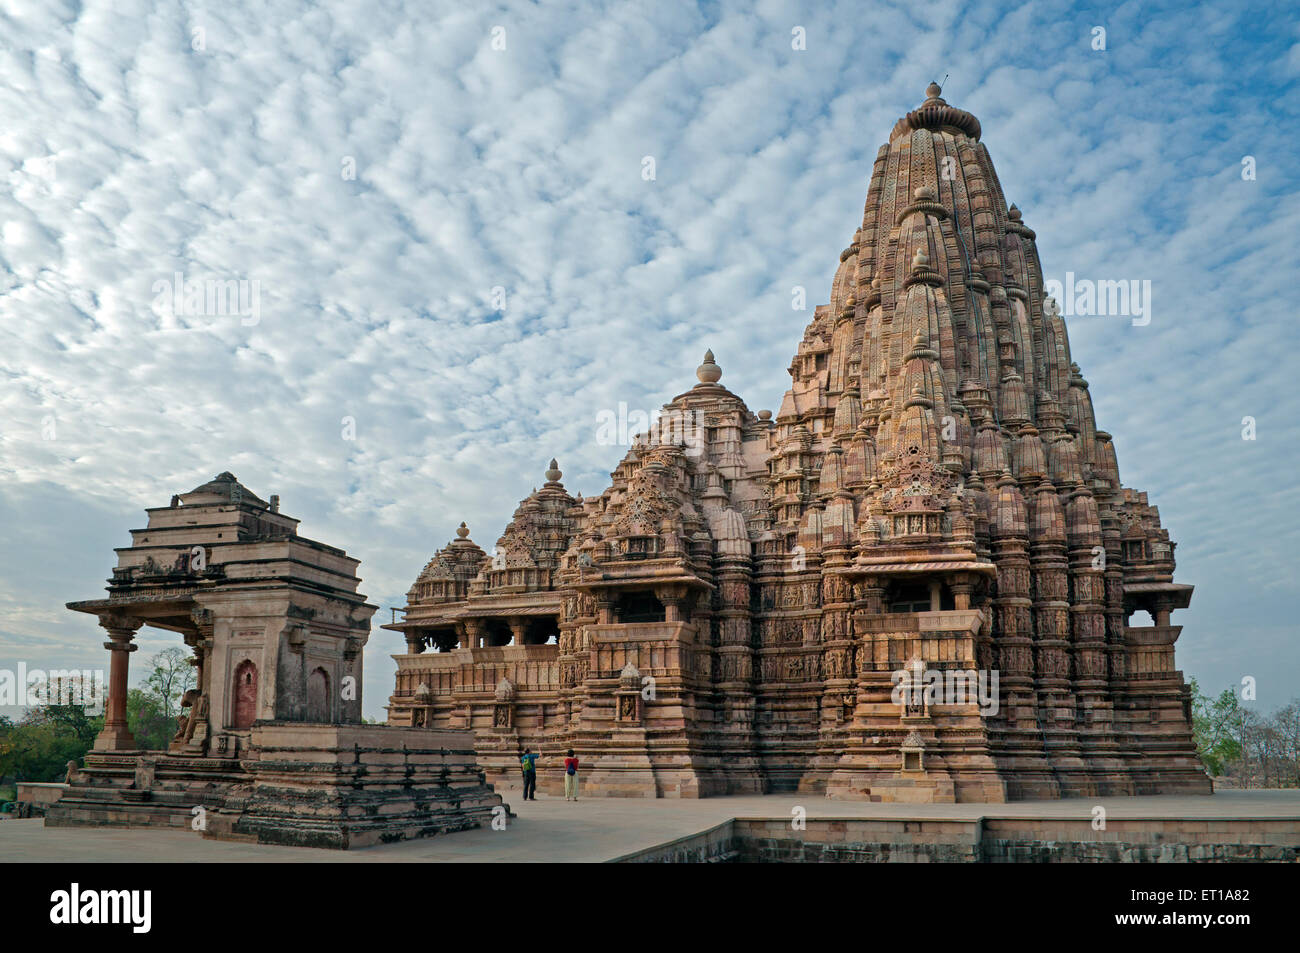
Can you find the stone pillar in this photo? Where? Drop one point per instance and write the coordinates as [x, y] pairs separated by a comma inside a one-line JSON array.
[[962, 586], [1161, 612], [350, 702], [674, 600], [474, 633], [518, 627], [121, 630], [201, 644]]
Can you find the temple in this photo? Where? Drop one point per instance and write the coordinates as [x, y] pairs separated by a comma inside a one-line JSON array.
[[915, 583], [269, 746]]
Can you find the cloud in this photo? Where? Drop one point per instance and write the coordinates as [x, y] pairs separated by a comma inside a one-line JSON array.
[[129, 155]]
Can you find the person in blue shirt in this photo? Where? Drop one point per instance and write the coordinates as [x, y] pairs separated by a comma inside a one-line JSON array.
[[529, 765]]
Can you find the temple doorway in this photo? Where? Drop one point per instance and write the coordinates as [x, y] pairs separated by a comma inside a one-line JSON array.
[[245, 695]]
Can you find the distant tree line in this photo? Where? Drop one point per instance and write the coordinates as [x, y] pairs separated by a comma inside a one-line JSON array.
[[39, 746], [1242, 748]]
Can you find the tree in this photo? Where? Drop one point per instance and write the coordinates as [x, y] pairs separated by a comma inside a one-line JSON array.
[[1288, 729], [40, 745], [1219, 726], [71, 719], [170, 676], [147, 717]]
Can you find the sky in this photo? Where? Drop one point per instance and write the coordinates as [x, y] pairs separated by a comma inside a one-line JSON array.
[[455, 255]]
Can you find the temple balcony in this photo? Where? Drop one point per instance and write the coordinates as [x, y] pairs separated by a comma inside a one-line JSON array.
[[1158, 597], [519, 579], [683, 632], [654, 648], [1150, 650], [944, 639], [475, 670]]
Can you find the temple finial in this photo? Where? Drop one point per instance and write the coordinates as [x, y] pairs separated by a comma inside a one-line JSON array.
[[709, 372]]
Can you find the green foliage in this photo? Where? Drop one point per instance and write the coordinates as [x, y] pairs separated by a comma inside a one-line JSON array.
[[1219, 726], [39, 747], [146, 716], [170, 676]]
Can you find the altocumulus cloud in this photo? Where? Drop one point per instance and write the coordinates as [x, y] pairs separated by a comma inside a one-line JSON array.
[[385, 173]]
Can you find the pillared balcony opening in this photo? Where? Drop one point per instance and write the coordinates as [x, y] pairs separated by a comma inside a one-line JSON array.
[[542, 631], [443, 640], [924, 596], [639, 607], [498, 634]]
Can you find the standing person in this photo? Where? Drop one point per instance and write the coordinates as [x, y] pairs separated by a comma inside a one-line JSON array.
[[570, 777], [529, 765]]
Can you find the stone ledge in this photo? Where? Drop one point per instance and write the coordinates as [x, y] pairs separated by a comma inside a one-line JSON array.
[[983, 840]]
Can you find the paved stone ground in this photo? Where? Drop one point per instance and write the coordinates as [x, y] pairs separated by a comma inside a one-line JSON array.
[[595, 829]]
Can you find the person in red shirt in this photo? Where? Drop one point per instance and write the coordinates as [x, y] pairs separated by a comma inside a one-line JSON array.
[[570, 777]]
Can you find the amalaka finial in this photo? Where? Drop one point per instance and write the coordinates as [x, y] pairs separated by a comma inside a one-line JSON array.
[[918, 398], [920, 261], [933, 90], [462, 531], [1013, 213], [709, 372], [553, 474]]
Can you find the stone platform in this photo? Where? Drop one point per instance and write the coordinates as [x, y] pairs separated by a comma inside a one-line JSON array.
[[336, 786], [605, 829]]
